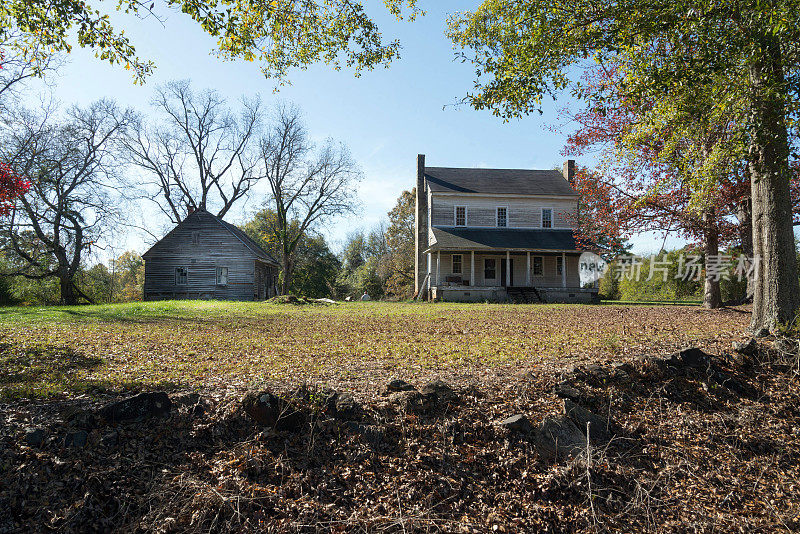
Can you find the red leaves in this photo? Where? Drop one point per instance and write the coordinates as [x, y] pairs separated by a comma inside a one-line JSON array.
[[11, 187]]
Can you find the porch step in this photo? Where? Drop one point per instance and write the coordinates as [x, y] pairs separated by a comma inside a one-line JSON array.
[[524, 295]]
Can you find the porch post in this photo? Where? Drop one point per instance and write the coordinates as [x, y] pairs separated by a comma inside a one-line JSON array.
[[438, 265], [472, 270], [508, 268], [430, 268], [563, 270], [528, 270]]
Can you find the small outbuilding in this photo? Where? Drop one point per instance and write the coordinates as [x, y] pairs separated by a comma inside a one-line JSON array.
[[205, 257]]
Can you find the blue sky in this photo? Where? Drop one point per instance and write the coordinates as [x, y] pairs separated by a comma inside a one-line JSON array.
[[386, 117]]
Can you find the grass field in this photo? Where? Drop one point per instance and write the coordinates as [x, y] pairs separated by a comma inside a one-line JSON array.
[[54, 350]]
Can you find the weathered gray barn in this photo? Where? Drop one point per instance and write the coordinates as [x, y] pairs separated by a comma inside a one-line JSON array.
[[205, 257]]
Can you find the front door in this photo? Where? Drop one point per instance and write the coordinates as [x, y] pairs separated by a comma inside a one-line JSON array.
[[503, 273]]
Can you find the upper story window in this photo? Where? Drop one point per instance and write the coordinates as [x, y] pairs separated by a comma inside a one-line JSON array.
[[461, 215], [222, 276], [547, 217], [181, 276], [502, 217], [195, 238]]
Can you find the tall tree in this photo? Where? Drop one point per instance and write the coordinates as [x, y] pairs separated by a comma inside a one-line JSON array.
[[314, 266], [400, 244], [281, 34], [73, 167], [306, 185], [667, 166], [200, 154], [667, 49]]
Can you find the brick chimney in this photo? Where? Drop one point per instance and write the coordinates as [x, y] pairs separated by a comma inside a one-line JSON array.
[[569, 170], [421, 225]]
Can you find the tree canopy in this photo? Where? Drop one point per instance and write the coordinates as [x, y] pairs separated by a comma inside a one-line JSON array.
[[280, 34]]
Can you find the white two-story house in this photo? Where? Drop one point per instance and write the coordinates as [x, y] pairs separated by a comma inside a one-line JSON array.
[[497, 235]]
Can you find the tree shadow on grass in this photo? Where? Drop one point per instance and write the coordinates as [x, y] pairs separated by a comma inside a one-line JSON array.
[[146, 318], [50, 370]]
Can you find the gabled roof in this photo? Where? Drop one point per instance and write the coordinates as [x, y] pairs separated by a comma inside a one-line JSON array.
[[247, 241], [235, 231], [502, 239], [498, 181]]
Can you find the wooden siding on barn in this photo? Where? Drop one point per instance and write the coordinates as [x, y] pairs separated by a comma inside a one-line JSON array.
[[201, 244]]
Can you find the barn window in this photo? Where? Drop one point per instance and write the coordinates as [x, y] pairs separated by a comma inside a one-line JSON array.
[[222, 276], [195, 238], [502, 217], [547, 217], [181, 276], [489, 272], [456, 263], [538, 266]]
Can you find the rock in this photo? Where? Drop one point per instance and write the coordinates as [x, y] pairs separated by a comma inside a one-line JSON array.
[[138, 408], [598, 426], [34, 437], [689, 357], [412, 402], [346, 407], [270, 410], [565, 390], [621, 371], [434, 396], [517, 423], [558, 437], [441, 394], [396, 385], [596, 373], [748, 348], [76, 439]]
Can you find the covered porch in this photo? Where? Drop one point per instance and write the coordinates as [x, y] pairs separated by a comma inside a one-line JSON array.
[[485, 273]]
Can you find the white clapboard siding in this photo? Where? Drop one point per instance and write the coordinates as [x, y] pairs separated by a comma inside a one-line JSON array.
[[523, 212]]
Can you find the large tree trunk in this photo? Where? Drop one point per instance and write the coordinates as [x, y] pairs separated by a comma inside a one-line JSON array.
[[286, 272], [68, 295], [776, 292], [712, 297]]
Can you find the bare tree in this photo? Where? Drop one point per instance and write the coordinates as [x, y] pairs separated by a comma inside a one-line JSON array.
[[73, 167], [307, 185], [198, 155]]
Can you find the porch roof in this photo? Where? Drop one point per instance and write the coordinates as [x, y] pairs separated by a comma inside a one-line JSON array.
[[501, 239]]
